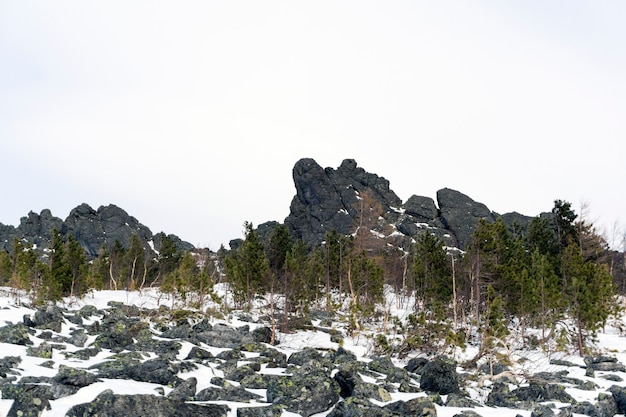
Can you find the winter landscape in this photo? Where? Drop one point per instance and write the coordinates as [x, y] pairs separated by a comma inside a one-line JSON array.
[[113, 353]]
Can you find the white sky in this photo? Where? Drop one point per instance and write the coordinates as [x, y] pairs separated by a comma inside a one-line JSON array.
[[190, 115]]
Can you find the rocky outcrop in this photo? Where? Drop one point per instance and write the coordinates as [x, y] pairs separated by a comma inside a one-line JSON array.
[[460, 214], [92, 228], [329, 199]]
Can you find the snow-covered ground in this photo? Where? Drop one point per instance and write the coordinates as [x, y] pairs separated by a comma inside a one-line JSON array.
[[610, 341]]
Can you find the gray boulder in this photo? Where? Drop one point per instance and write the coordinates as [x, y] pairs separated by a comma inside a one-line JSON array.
[[185, 391], [8, 364], [69, 380], [29, 400], [619, 395], [48, 318], [421, 406], [228, 392], [305, 394], [460, 214], [16, 334], [439, 375], [108, 404], [358, 407]]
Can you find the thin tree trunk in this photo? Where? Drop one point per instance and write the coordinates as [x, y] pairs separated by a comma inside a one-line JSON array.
[[112, 279], [454, 313]]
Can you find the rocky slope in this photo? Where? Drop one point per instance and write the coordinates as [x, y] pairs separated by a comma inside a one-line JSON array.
[[140, 358]]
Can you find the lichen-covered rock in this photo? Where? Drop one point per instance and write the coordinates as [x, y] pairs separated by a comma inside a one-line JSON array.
[[83, 354], [44, 350], [78, 337], [227, 393], [269, 411], [108, 404], [259, 381], [7, 365], [415, 365], [460, 401], [69, 380], [439, 375], [262, 335], [185, 391], [385, 366], [198, 354], [309, 357], [604, 364], [157, 371], [29, 400], [305, 394], [358, 407], [500, 396], [541, 410], [539, 392], [619, 395], [16, 334], [114, 335], [49, 318], [239, 373], [420, 406]]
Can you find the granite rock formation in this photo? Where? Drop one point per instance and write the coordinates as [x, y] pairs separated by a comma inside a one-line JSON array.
[[328, 198], [92, 228]]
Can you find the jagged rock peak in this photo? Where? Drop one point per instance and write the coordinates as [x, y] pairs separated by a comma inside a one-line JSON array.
[[92, 228], [329, 199]]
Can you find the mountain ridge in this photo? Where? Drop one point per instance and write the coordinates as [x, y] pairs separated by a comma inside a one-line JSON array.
[[92, 228], [325, 199]]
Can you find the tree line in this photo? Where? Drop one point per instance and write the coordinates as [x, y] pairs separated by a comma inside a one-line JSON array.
[[63, 270], [557, 276]]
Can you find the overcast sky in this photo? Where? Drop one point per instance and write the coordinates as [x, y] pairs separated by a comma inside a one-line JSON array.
[[190, 115]]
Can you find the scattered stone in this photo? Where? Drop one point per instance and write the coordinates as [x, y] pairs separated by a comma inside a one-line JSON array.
[[305, 394], [69, 380], [468, 413], [199, 354], [358, 407], [227, 393], [7, 365], [30, 400], [542, 410], [185, 391], [439, 375], [269, 411], [44, 351], [619, 395], [108, 404], [49, 318], [415, 365], [459, 400], [420, 406], [16, 334], [561, 362]]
